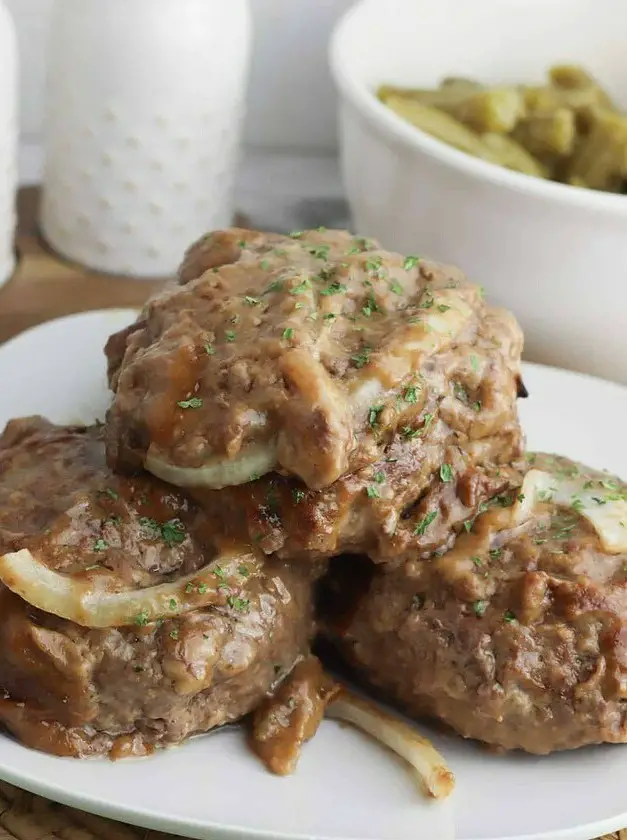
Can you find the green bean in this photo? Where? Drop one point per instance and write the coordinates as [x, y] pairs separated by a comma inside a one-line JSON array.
[[512, 155], [600, 162], [440, 125], [548, 136]]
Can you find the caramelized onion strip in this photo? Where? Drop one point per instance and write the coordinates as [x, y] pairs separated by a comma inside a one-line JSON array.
[[430, 769], [88, 603]]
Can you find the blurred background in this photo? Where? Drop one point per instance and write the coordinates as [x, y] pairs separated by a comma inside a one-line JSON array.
[[289, 177]]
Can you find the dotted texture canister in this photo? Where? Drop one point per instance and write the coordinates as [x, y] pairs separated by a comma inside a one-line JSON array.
[[144, 116]]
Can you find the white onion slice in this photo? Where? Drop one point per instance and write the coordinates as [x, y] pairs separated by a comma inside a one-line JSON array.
[[432, 773], [596, 504], [251, 462], [90, 605]]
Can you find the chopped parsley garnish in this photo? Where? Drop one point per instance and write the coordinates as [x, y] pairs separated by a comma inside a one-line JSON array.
[[334, 289], [302, 287], [477, 561], [370, 306], [264, 265], [298, 496], [409, 433], [460, 392], [330, 316], [374, 263], [202, 588], [110, 493], [474, 363], [219, 572], [229, 335], [411, 394], [101, 545], [172, 604], [142, 618], [173, 532], [509, 616], [320, 252], [476, 406], [443, 307], [495, 553], [424, 523], [193, 402], [446, 473], [288, 333], [373, 415], [410, 262], [251, 301], [174, 634], [577, 504], [373, 492], [244, 571], [362, 358], [209, 349], [479, 608], [396, 287], [427, 301], [379, 477], [241, 243], [275, 286], [189, 588], [239, 604], [296, 234]]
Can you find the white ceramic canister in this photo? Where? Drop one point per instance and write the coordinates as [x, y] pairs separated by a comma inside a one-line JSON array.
[[144, 116], [8, 142]]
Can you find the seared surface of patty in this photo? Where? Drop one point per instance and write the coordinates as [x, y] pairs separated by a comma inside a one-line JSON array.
[[412, 502], [516, 637], [152, 680], [303, 355]]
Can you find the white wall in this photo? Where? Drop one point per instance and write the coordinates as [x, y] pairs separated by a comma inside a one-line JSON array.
[[291, 105]]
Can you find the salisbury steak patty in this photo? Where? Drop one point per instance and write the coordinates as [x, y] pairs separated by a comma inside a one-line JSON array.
[[516, 637], [304, 355], [204, 630]]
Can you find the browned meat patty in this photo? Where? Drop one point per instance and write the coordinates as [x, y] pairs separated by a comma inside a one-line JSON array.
[[516, 637], [414, 500], [304, 355], [211, 627]]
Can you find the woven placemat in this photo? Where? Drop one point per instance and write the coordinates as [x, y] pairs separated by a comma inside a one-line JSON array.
[[24, 816]]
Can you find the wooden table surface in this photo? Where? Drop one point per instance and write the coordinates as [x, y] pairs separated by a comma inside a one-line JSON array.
[[46, 286]]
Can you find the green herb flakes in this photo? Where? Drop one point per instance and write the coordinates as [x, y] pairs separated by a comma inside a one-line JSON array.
[[373, 415], [334, 289], [238, 604], [362, 358], [446, 473], [209, 349], [101, 545], [142, 618], [479, 608], [288, 333], [411, 395], [373, 492], [193, 402], [410, 262], [424, 523], [251, 301], [229, 335], [508, 616]]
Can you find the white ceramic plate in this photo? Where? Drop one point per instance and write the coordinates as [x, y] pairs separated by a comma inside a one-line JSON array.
[[346, 787]]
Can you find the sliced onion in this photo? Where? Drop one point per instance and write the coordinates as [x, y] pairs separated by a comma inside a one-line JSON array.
[[252, 461], [430, 769], [606, 513], [86, 603]]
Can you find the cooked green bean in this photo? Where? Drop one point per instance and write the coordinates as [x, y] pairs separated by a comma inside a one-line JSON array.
[[567, 130]]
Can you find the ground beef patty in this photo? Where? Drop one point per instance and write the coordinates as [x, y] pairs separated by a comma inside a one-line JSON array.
[[304, 355], [233, 622], [516, 637]]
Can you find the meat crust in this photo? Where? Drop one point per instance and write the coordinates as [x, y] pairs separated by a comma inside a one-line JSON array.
[[304, 355], [79, 690], [521, 645]]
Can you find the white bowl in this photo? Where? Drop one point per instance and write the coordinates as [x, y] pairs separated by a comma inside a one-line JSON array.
[[556, 255]]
